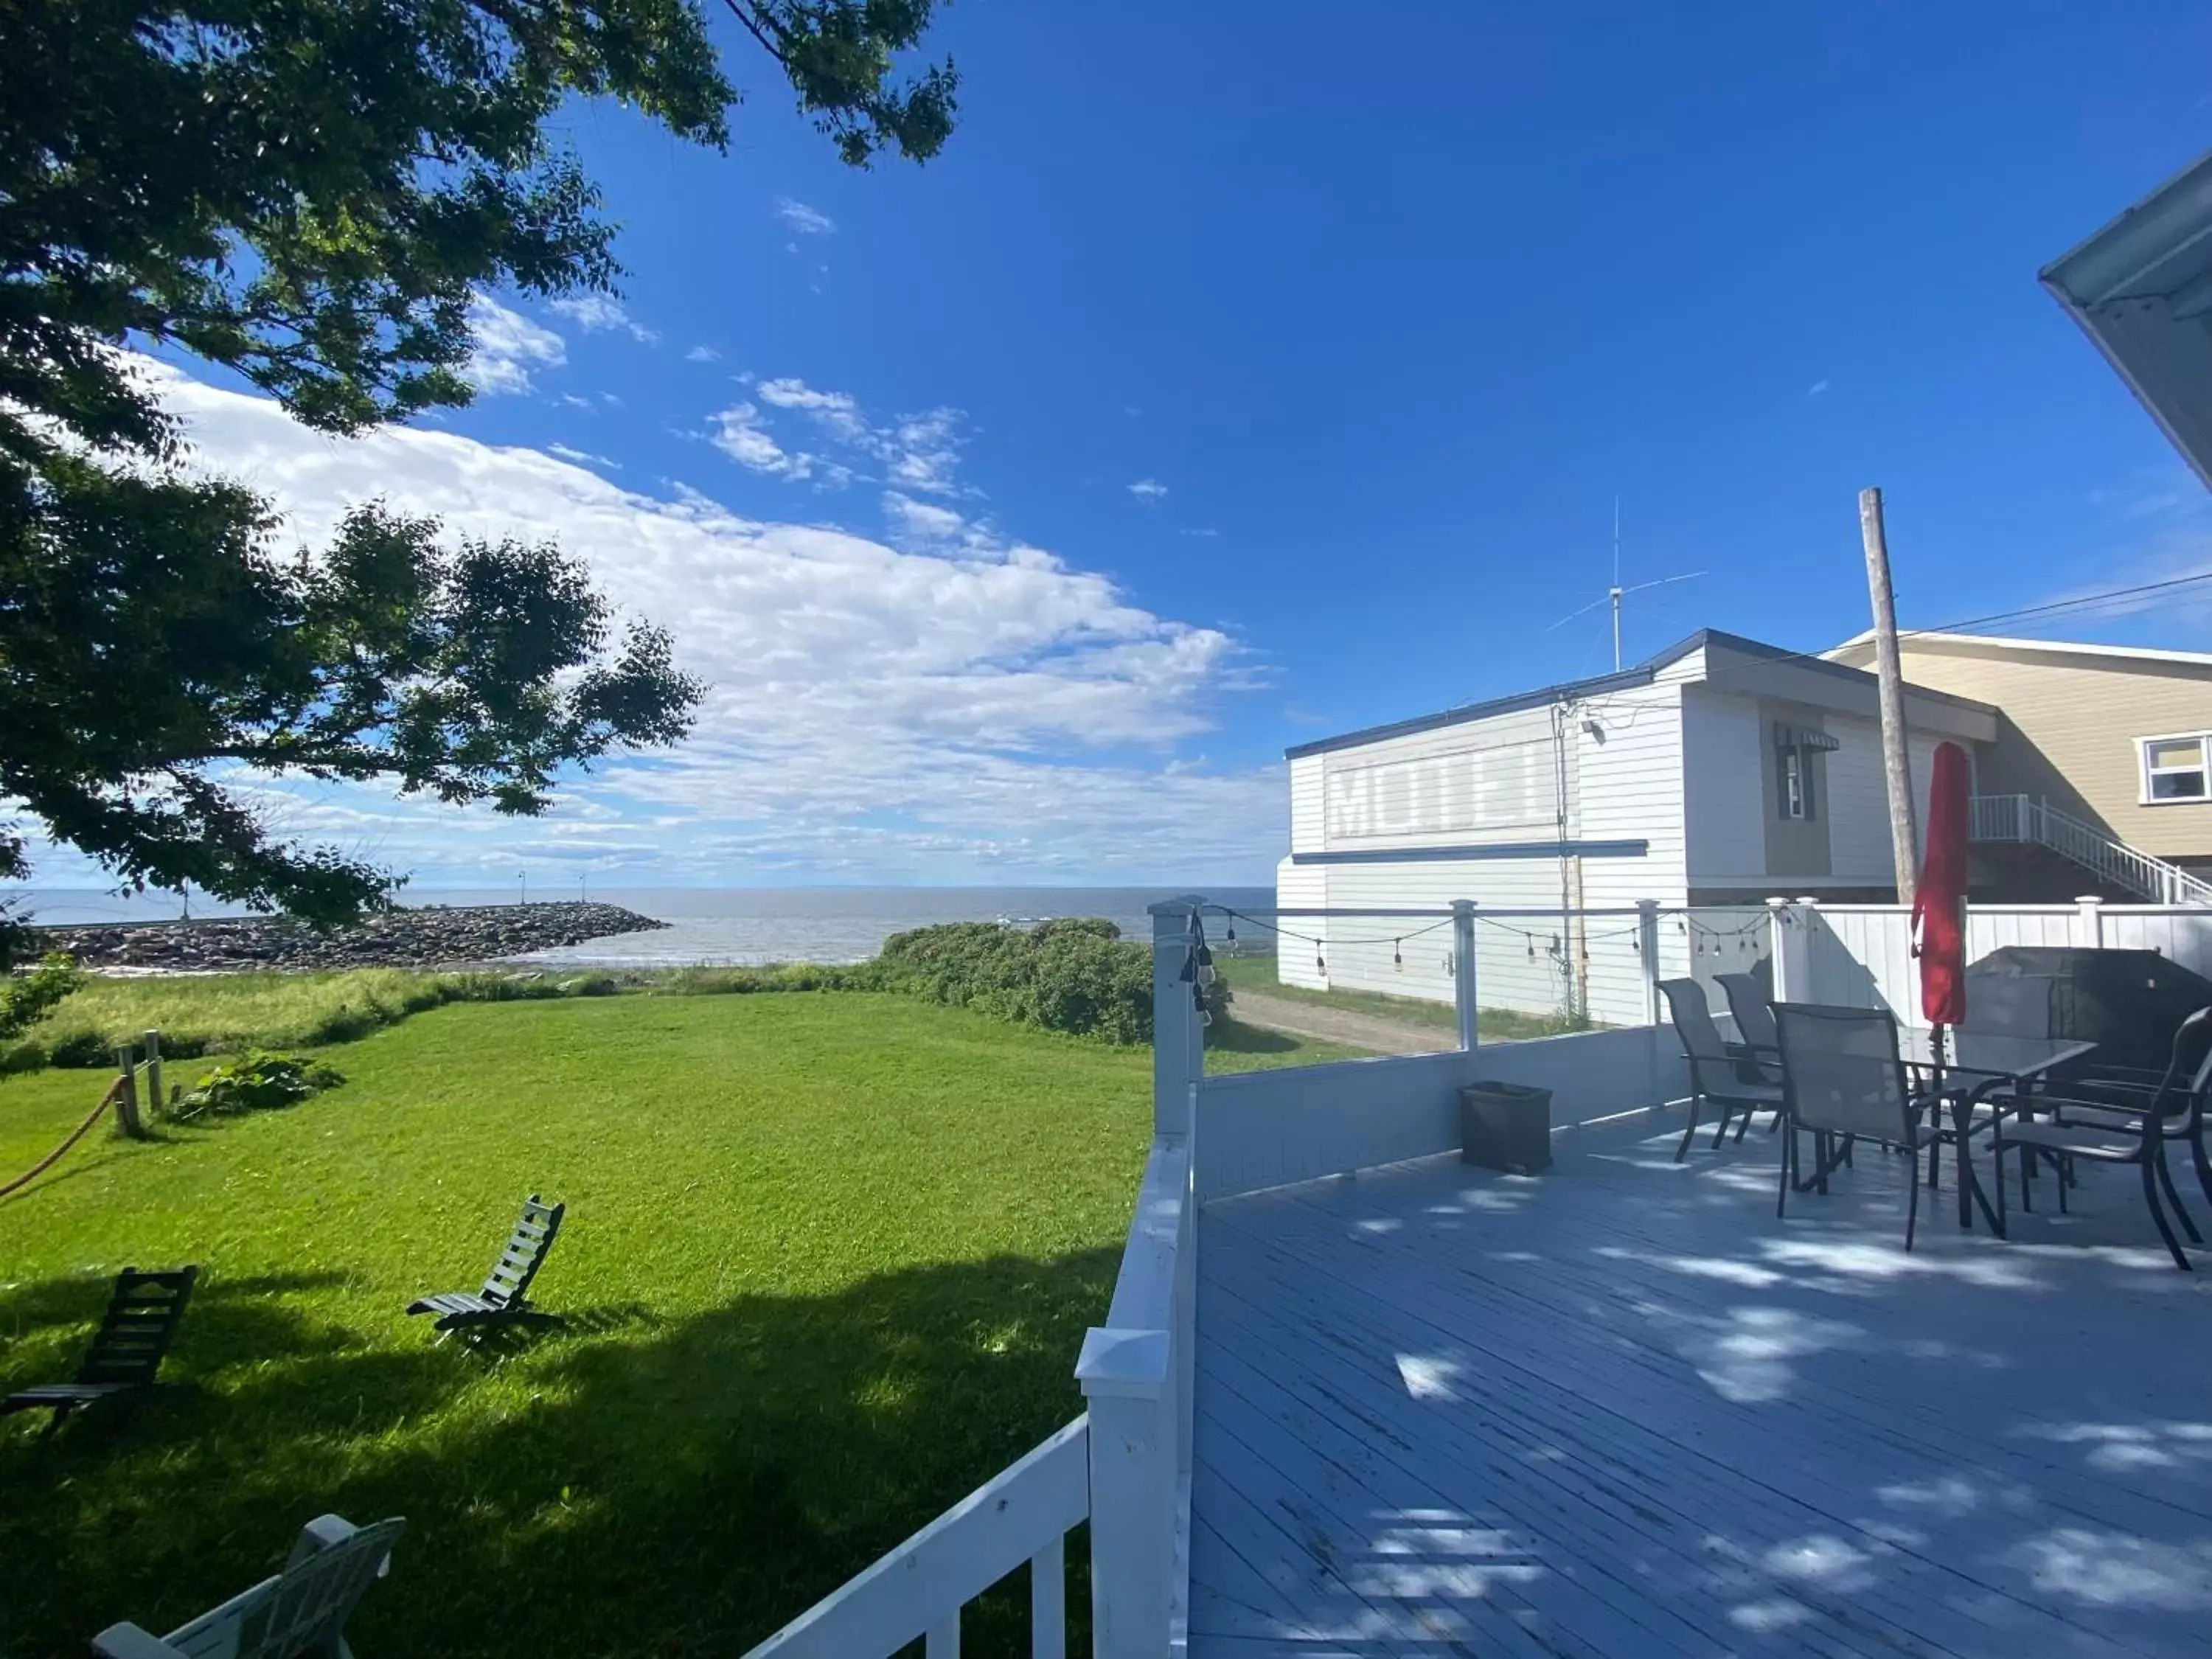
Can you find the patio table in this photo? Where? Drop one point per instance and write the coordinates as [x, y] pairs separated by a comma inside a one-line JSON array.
[[1965, 1070]]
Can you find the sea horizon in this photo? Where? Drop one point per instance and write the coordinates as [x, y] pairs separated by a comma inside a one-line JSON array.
[[716, 926]]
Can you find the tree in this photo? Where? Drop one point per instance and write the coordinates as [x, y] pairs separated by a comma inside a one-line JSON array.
[[311, 193]]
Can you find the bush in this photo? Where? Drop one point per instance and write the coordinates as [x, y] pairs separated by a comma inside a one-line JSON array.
[[255, 1082], [1078, 975], [26, 997]]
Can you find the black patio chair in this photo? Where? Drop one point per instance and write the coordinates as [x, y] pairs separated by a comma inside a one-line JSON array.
[[1753, 1013], [127, 1350], [1844, 1079], [1715, 1075], [505, 1297], [2120, 1123]]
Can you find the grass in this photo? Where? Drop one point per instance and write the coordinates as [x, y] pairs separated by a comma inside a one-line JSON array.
[[1257, 973], [827, 1262]]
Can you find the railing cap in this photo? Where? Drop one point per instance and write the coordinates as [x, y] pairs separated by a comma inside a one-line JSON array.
[[1131, 1364]]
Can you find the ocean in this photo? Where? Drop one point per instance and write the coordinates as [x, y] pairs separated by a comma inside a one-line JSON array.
[[726, 925]]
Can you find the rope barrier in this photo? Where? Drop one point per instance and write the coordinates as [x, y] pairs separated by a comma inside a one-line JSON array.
[[75, 1135]]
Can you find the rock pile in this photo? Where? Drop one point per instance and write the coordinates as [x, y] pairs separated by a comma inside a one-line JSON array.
[[434, 937]]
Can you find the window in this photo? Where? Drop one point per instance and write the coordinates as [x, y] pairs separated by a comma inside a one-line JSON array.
[[1794, 749], [1797, 783], [2178, 768]]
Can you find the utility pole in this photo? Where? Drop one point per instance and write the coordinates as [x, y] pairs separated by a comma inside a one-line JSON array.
[[1896, 759]]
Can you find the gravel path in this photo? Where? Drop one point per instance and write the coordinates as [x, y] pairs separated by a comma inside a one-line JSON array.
[[1354, 1030]]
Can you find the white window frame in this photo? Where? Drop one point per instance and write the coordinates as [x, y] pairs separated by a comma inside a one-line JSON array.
[[2145, 771]]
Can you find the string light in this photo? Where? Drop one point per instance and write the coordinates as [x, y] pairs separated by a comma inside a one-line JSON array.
[[1398, 955]]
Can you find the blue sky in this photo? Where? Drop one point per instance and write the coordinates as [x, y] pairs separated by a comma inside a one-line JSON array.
[[1248, 371]]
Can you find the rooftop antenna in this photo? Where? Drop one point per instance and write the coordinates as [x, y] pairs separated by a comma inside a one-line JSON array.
[[1615, 594]]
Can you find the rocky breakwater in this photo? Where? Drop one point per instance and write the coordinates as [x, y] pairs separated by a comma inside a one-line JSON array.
[[433, 937]]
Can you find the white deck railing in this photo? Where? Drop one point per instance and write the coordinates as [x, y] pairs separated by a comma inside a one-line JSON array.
[[2029, 819], [1024, 1513], [1136, 1373]]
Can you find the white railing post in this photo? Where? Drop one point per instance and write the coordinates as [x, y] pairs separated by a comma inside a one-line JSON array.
[[1178, 1040], [1463, 971], [1778, 948], [1647, 946], [1135, 1372], [1124, 1376], [2089, 921]]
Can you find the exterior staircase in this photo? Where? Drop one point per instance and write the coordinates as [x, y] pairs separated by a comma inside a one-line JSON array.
[[2026, 842]]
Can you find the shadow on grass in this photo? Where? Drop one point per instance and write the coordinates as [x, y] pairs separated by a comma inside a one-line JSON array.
[[634, 1484], [1232, 1037]]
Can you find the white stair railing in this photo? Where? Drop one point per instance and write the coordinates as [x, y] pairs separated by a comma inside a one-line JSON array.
[[2028, 820], [1023, 1513]]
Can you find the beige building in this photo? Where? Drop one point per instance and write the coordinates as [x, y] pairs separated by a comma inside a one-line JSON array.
[[2119, 736]]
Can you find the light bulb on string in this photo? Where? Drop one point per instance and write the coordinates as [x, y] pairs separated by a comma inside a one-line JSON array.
[[1397, 955]]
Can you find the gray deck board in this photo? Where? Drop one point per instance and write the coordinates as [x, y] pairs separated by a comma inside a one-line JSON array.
[[1622, 1409]]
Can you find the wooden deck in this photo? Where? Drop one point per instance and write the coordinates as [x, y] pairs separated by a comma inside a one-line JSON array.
[[1621, 1410]]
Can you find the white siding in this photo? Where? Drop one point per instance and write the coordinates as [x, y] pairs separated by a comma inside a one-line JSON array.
[[1299, 887], [1493, 780], [1858, 801], [1306, 785], [1723, 798]]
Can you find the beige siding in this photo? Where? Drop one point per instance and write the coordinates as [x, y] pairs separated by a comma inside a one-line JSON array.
[[2069, 733]]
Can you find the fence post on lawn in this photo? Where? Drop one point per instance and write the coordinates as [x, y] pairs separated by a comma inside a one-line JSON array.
[[1178, 1040], [155, 1100], [1463, 972], [126, 1092], [2089, 921]]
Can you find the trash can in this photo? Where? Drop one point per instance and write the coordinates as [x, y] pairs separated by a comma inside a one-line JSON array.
[[1505, 1126]]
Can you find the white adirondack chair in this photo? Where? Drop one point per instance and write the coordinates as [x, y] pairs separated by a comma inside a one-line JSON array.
[[303, 1610]]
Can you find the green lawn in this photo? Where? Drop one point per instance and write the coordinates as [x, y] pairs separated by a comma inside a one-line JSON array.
[[1257, 973], [827, 1261]]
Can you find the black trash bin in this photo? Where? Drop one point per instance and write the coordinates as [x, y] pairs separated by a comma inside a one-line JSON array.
[[1505, 1126]]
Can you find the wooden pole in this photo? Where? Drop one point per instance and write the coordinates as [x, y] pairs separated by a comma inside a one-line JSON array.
[[155, 1100], [1896, 758], [126, 1093]]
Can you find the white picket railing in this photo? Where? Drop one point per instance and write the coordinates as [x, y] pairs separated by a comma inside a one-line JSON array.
[[1136, 1372], [1024, 1513], [2030, 820]]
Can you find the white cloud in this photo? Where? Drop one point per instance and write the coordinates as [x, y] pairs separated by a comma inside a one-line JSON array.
[[1148, 490], [738, 433], [599, 313], [581, 457], [703, 353], [875, 713], [923, 521], [1190, 531], [570, 400], [837, 411], [1817, 388], [806, 220], [509, 346], [917, 453]]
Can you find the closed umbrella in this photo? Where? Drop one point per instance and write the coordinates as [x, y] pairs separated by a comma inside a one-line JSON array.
[[1938, 905]]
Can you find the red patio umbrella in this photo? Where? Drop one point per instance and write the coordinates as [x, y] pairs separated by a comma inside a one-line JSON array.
[[1938, 915]]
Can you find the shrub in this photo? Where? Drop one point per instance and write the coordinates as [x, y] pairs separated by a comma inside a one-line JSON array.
[[1078, 975], [26, 997], [255, 1082]]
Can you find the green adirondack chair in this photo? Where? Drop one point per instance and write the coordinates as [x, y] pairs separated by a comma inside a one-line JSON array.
[[504, 1298], [126, 1353], [303, 1610]]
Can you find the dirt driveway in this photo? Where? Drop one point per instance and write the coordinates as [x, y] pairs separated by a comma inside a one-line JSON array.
[[1354, 1030]]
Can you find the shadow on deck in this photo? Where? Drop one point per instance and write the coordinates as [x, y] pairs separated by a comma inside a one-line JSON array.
[[1620, 1409]]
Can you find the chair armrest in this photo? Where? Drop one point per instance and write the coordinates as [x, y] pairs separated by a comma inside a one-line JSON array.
[[323, 1532], [127, 1641]]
